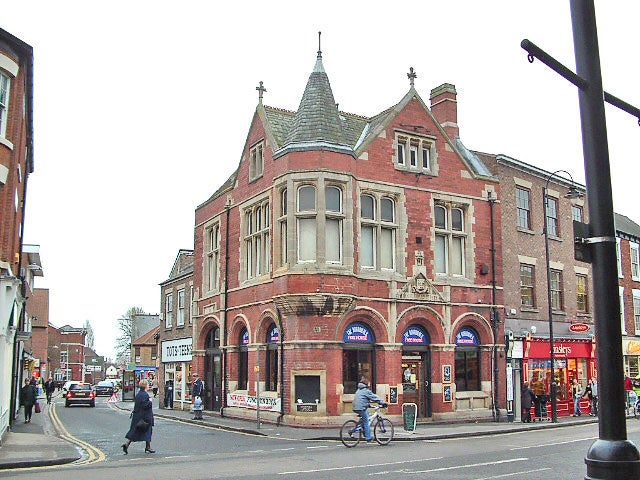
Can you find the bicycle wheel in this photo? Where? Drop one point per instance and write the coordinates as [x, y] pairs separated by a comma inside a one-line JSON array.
[[383, 431], [350, 433]]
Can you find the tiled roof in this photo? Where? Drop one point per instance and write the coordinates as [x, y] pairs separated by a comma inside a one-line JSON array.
[[317, 124], [147, 338], [626, 225]]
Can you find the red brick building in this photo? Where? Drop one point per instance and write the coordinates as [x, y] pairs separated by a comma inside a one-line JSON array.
[[628, 249], [346, 245], [526, 293], [67, 349], [38, 307], [16, 164]]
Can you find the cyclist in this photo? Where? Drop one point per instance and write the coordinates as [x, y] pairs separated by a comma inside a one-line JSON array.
[[361, 401]]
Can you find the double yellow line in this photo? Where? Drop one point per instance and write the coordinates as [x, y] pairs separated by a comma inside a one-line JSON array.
[[94, 454]]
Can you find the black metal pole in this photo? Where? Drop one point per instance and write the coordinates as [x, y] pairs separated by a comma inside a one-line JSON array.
[[552, 384], [612, 456], [494, 314]]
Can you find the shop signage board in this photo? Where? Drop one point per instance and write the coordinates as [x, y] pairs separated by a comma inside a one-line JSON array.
[[579, 327], [409, 416], [178, 350], [243, 400]]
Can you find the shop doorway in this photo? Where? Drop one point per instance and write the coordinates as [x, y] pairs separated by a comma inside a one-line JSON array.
[[416, 381], [213, 371]]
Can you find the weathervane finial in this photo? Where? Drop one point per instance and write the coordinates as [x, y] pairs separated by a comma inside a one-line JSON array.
[[319, 49], [261, 90]]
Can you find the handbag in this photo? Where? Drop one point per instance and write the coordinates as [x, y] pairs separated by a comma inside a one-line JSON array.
[[142, 425], [37, 407]]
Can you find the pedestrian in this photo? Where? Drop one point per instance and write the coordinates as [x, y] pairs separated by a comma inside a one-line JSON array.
[[168, 394], [527, 398], [594, 395], [28, 398], [197, 389], [49, 388], [361, 401], [154, 387], [588, 393], [141, 420], [576, 390]]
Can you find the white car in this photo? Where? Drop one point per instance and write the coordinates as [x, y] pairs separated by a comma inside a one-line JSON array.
[[67, 384]]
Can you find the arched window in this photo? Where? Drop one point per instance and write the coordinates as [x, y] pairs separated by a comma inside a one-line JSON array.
[[243, 359], [467, 366], [358, 357], [213, 339], [271, 370]]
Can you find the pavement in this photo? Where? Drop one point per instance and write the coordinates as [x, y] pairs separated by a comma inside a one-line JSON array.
[[38, 444]]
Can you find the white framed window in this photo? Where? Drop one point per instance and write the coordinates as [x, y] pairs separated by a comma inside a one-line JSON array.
[[192, 306], [256, 161], [577, 213], [635, 261], [282, 228], [5, 84], [450, 236], [212, 243], [306, 220], [378, 231], [618, 258], [523, 207], [257, 242], [623, 326], [552, 217], [168, 310], [180, 316], [414, 154], [636, 310], [334, 217], [582, 293]]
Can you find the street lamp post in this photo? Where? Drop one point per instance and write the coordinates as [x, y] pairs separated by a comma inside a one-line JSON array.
[[573, 193]]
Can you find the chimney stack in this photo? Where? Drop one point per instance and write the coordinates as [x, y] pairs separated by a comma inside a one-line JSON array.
[[444, 107]]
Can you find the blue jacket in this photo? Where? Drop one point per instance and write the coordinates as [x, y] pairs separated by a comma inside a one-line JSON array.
[[363, 397], [142, 409]]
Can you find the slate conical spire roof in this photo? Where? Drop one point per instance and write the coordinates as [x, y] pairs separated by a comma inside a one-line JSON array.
[[317, 124]]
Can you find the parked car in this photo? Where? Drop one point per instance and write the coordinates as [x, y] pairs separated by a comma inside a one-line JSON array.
[[67, 384], [80, 393], [105, 387]]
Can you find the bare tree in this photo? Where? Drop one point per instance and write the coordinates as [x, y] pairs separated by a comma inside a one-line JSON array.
[[123, 342]]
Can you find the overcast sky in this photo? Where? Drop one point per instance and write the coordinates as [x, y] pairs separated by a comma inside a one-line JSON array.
[[142, 109]]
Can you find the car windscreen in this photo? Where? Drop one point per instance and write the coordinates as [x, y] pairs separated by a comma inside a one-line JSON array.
[[80, 387]]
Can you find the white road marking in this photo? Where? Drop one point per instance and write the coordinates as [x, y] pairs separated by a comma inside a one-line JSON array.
[[513, 474], [358, 466], [555, 443], [472, 465]]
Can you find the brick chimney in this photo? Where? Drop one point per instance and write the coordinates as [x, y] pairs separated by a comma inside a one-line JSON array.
[[444, 107]]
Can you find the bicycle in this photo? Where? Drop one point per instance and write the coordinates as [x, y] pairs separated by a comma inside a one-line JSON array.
[[352, 431]]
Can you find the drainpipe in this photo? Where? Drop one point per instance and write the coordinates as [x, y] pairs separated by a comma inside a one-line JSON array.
[[15, 383], [281, 335], [494, 313], [225, 382]]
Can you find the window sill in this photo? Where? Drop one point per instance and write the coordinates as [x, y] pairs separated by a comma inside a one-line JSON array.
[[526, 230], [583, 315], [530, 309]]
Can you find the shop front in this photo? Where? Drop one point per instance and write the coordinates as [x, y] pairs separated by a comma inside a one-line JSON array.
[[176, 362], [574, 359]]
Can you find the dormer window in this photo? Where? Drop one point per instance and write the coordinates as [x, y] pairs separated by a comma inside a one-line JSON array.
[[256, 162], [414, 154]]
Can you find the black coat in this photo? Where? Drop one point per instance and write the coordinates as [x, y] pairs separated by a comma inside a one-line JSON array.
[[142, 409]]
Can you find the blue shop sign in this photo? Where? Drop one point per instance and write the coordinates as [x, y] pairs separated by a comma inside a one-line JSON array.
[[467, 336], [415, 335], [245, 338], [274, 335], [358, 333]]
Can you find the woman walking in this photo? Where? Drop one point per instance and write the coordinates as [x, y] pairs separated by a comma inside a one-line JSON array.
[[28, 398], [141, 420]]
